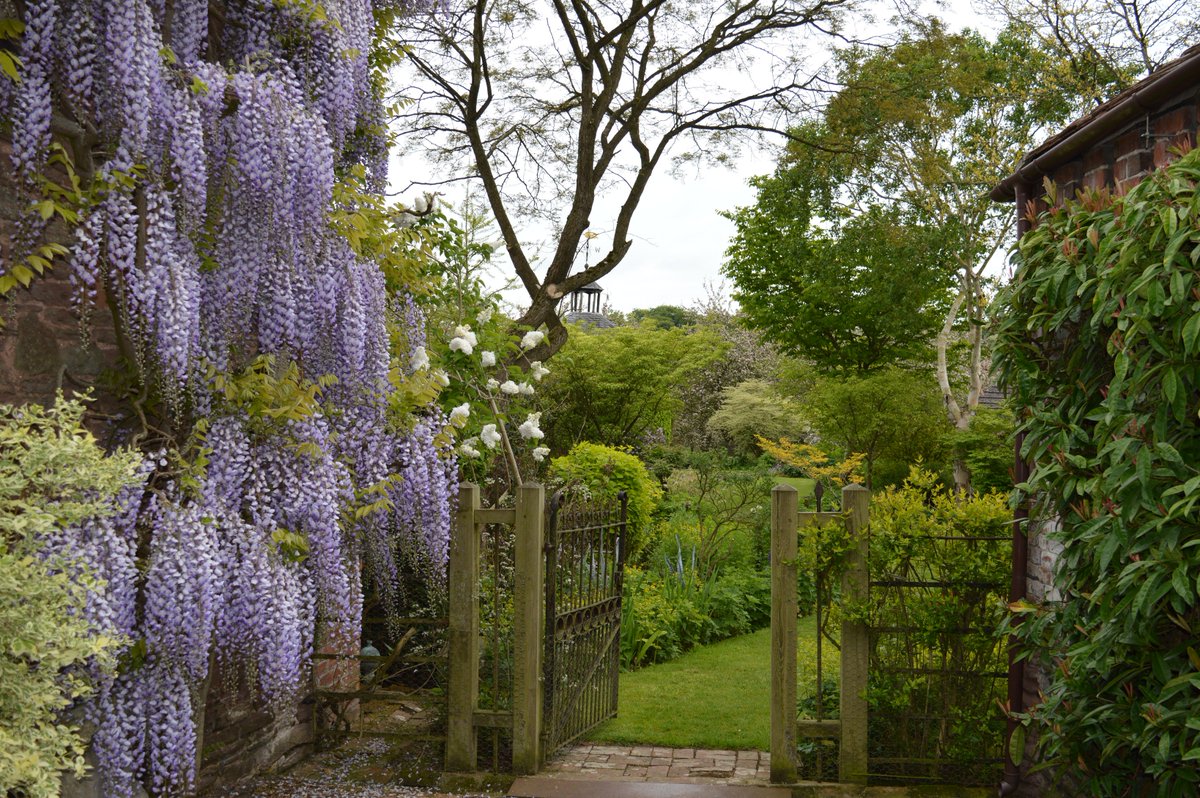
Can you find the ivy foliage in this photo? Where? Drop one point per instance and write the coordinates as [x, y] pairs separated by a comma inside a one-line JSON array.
[[1098, 343], [52, 473]]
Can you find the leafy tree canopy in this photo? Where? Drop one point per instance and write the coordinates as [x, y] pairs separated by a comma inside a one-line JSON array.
[[616, 386], [747, 356], [850, 294], [665, 316], [895, 176], [755, 408], [892, 417]]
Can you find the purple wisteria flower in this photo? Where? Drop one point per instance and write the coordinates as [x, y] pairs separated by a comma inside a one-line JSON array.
[[209, 229]]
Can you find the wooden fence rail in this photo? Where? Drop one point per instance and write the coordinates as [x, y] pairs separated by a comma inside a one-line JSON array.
[[850, 729]]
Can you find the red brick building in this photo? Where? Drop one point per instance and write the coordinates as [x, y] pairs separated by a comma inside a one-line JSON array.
[[1114, 147]]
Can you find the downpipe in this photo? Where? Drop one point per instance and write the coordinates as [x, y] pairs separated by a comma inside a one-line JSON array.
[[1016, 592]]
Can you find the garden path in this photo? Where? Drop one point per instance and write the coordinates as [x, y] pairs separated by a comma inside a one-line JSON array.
[[601, 771], [655, 763]]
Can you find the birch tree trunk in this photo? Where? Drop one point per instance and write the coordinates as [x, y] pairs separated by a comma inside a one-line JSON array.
[[970, 295]]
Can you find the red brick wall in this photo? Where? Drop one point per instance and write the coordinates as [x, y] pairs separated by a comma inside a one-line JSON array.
[[1122, 160]]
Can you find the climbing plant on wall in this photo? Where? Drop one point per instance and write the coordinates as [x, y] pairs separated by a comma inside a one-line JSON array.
[[224, 168], [1098, 343]]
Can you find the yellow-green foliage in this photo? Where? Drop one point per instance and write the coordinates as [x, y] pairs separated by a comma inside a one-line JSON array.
[[605, 472], [935, 646], [52, 473], [815, 463]]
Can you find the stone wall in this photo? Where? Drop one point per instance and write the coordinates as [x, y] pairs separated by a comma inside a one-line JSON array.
[[242, 738]]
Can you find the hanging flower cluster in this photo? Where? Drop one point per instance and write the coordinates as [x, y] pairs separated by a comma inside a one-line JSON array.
[[207, 224]]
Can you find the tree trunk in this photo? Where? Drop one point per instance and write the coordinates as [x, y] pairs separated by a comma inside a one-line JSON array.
[[961, 415]]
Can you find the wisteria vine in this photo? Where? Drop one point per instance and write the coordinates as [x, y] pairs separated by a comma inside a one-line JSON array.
[[207, 226]]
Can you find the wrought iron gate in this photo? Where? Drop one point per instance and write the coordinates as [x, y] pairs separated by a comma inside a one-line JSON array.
[[585, 559]]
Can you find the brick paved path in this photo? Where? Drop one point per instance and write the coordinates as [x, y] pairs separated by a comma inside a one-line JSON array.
[[647, 763]]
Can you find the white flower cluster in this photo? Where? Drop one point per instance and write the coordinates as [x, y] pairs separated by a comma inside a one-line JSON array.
[[464, 340], [490, 436], [420, 359], [530, 428]]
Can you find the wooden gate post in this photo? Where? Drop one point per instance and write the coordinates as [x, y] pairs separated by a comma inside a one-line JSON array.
[[528, 603], [784, 608], [852, 759], [463, 637]]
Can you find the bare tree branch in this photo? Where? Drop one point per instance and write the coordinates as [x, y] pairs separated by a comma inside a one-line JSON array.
[[553, 106]]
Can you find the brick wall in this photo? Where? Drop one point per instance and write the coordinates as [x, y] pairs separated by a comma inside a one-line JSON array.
[[1122, 160], [44, 347]]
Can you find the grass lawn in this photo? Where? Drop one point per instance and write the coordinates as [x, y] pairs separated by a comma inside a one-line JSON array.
[[802, 484], [716, 696]]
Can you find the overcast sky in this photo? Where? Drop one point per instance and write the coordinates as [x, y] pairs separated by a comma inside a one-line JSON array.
[[679, 236]]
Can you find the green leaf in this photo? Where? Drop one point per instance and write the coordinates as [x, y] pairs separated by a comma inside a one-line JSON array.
[[1191, 334], [10, 65], [22, 274], [1182, 584], [1171, 385]]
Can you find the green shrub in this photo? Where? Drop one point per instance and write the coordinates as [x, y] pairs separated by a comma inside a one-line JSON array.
[[680, 537], [605, 472], [724, 508], [1098, 346], [665, 614], [935, 651], [987, 450], [52, 474]]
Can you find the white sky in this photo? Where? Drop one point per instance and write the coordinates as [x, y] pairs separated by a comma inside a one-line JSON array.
[[679, 237]]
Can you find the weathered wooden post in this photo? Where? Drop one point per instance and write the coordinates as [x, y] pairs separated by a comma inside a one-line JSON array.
[[852, 759], [528, 602], [784, 608], [463, 637]]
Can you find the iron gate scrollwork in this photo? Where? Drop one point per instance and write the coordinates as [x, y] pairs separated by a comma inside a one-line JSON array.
[[585, 560]]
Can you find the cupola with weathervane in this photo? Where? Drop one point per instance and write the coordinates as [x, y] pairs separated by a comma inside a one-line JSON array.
[[583, 305]]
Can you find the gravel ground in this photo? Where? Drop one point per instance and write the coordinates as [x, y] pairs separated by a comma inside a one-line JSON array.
[[366, 768]]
